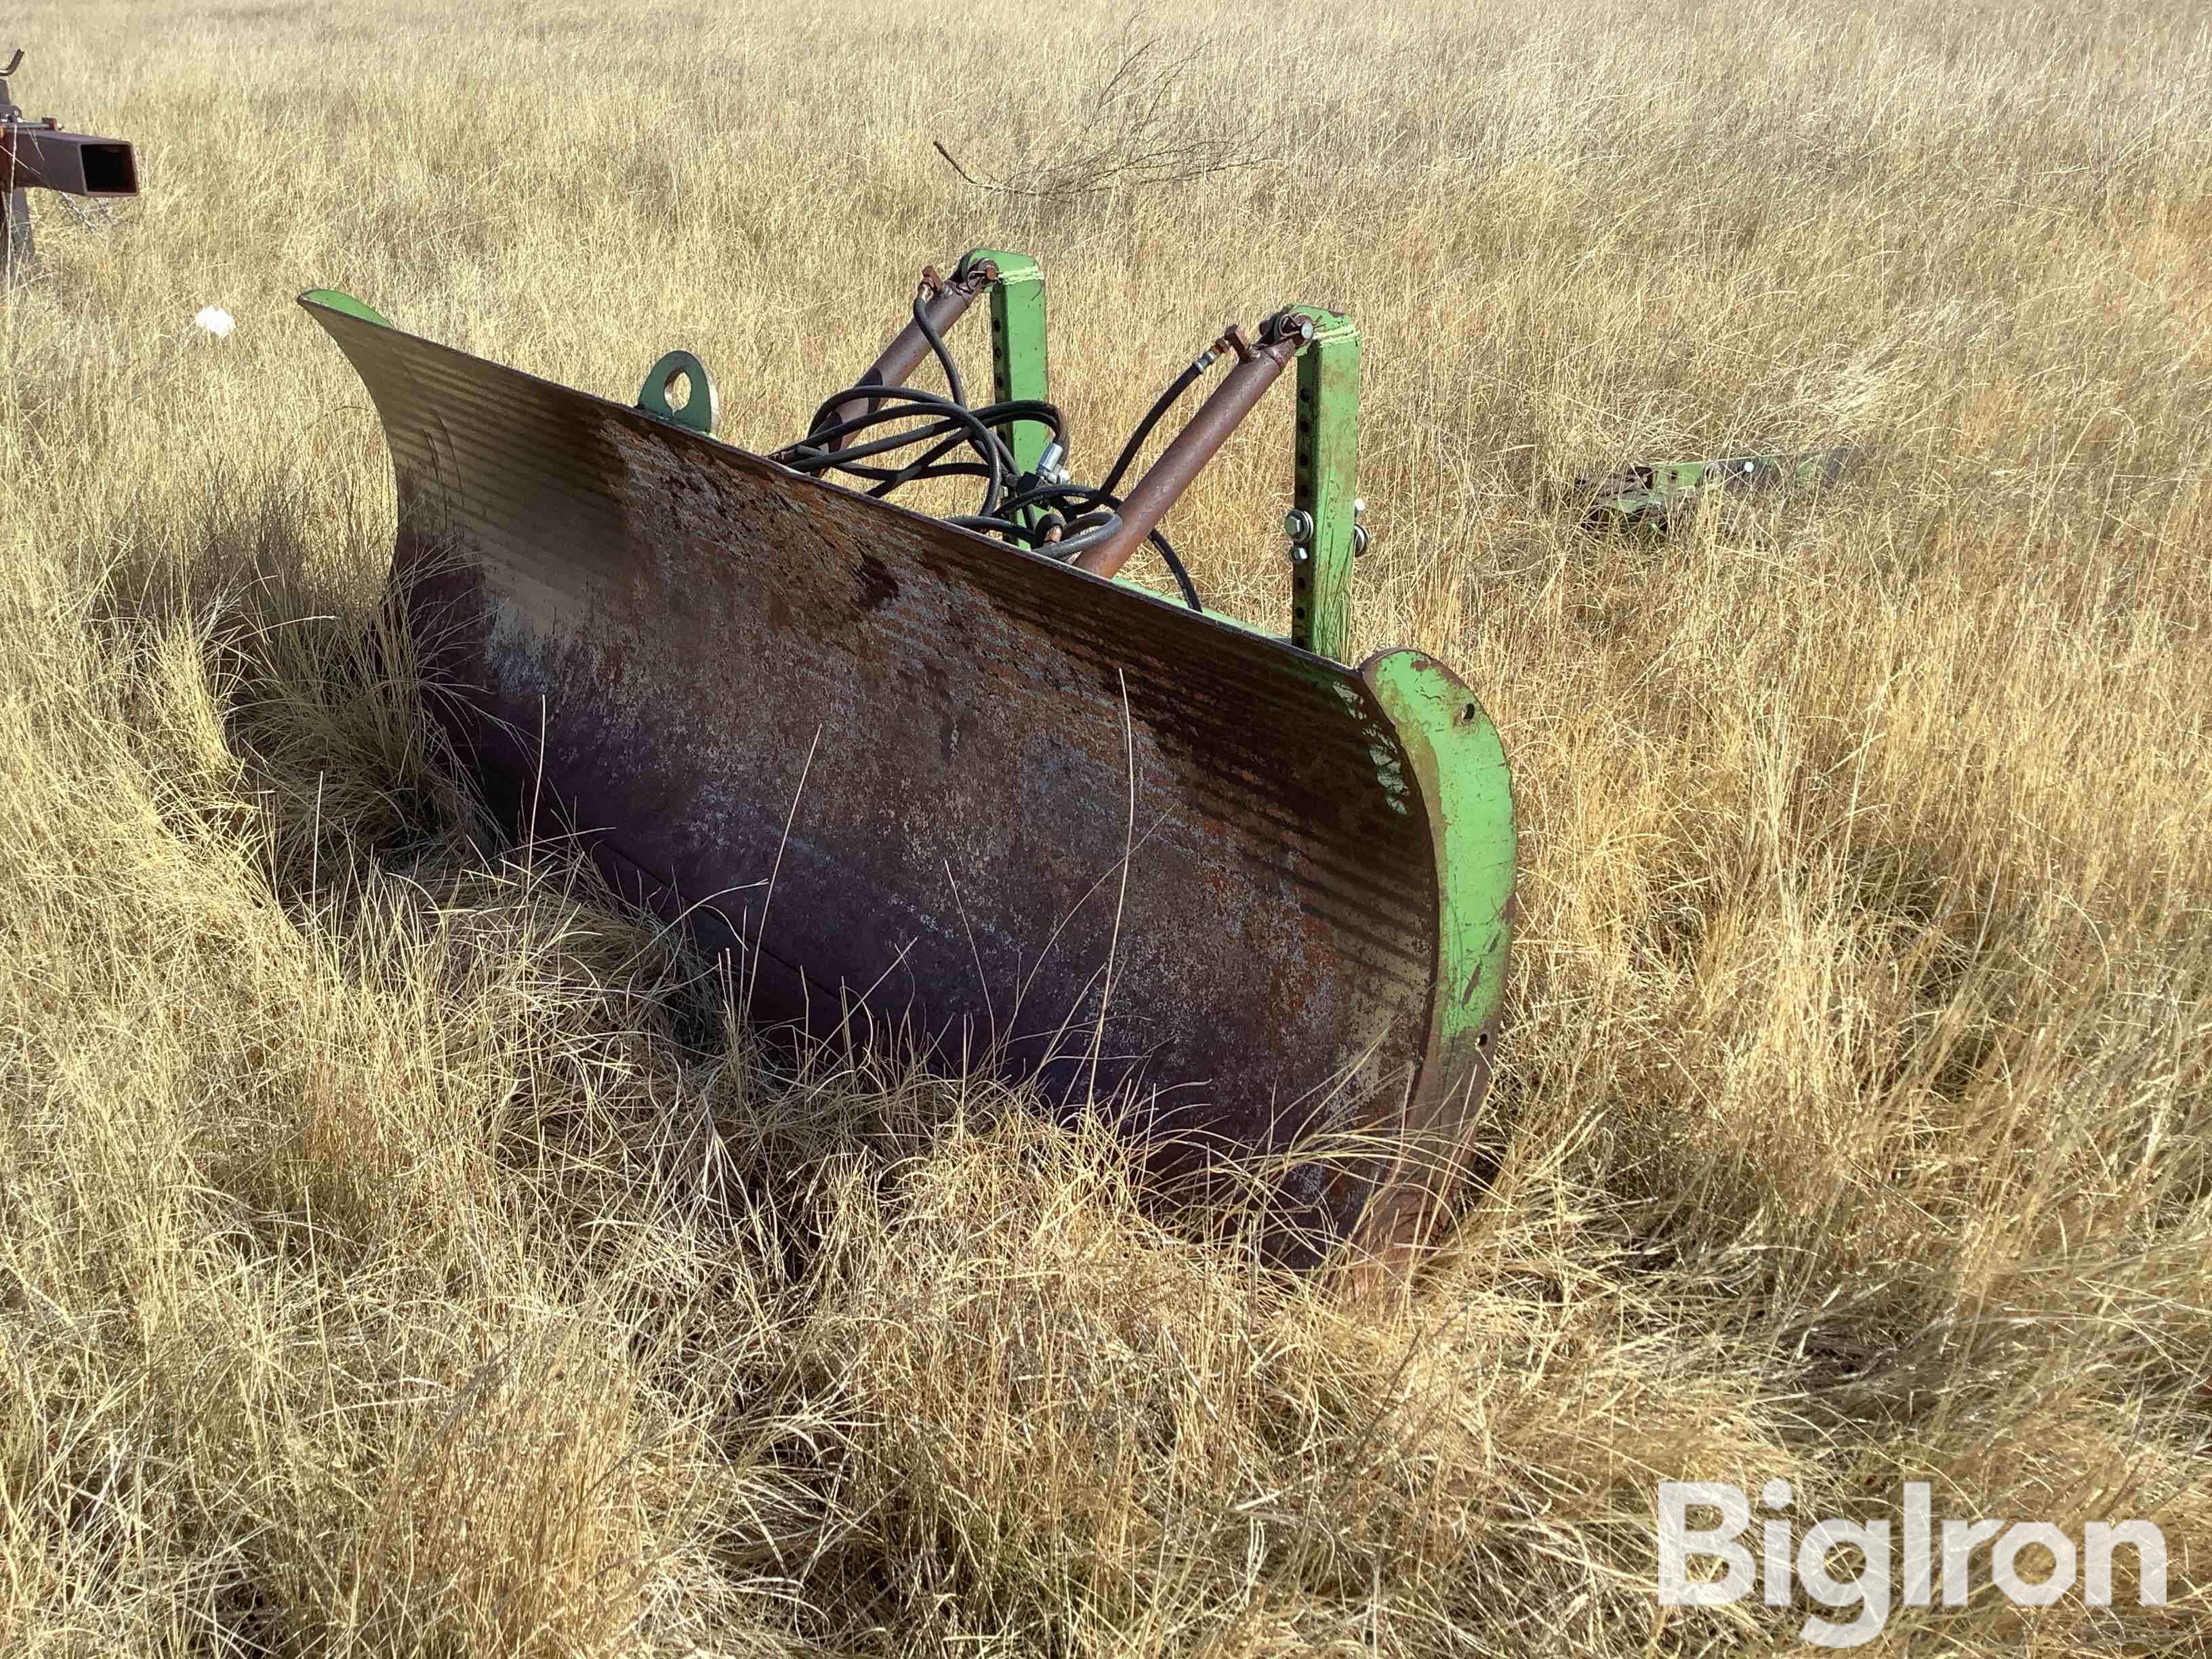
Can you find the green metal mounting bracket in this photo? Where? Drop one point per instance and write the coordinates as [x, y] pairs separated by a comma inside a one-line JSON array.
[[1324, 524], [700, 409], [333, 299], [1017, 355]]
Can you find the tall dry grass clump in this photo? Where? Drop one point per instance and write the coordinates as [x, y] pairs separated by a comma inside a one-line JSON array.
[[401, 1252]]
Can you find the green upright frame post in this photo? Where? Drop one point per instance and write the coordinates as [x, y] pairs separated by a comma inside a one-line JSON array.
[[1325, 483], [1017, 355]]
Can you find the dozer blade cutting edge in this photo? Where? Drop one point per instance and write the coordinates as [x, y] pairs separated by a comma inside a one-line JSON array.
[[1251, 903]]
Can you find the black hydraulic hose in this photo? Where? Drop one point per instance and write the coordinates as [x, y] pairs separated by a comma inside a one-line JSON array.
[[943, 354], [974, 427], [1016, 507], [928, 403], [1130, 451], [807, 457], [1169, 558], [1068, 546], [926, 466]]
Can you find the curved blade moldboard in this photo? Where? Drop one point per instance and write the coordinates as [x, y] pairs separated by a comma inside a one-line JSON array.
[[891, 764]]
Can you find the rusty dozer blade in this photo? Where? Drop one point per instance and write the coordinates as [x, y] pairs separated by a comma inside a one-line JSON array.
[[1244, 899]]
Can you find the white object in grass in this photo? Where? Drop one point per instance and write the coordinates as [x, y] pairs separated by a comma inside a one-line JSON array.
[[215, 319]]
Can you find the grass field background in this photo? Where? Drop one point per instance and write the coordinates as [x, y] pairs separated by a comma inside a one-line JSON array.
[[382, 1272]]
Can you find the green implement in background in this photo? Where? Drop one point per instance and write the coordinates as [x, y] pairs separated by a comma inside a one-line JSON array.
[[1656, 492]]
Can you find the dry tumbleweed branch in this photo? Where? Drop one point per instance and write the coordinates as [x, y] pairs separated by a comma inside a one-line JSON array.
[[1136, 130]]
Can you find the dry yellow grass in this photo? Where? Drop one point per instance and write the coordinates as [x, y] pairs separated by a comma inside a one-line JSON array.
[[369, 1281]]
